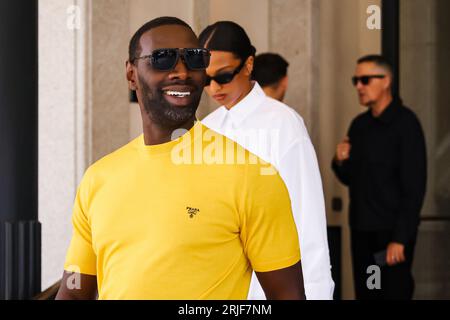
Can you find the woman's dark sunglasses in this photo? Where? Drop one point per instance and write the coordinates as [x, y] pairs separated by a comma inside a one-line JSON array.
[[166, 59], [366, 79], [225, 77]]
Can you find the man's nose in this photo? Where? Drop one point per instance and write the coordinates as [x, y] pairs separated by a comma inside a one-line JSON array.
[[359, 85], [180, 71]]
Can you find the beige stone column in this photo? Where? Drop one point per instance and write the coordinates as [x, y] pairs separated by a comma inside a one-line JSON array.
[[58, 127], [424, 68], [293, 33], [420, 63], [83, 107], [109, 47]]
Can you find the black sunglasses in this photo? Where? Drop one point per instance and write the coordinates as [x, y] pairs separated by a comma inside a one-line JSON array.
[[225, 77], [366, 79], [166, 59]]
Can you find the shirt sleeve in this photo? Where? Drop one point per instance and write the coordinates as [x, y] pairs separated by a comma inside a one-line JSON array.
[[413, 175], [299, 170], [80, 255], [268, 231], [343, 170]]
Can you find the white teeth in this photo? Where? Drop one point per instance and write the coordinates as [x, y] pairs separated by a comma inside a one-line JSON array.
[[178, 93]]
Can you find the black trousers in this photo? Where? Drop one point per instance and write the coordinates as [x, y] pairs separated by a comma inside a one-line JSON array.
[[397, 282]]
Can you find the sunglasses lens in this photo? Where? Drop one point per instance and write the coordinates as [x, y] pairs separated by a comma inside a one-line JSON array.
[[164, 59], [197, 59], [365, 80], [224, 78]]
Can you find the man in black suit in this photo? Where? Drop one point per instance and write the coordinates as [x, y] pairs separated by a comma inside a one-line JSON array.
[[383, 162]]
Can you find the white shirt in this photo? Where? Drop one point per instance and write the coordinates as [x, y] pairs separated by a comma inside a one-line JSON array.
[[277, 134]]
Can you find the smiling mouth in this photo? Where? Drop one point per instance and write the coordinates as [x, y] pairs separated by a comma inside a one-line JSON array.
[[178, 94]]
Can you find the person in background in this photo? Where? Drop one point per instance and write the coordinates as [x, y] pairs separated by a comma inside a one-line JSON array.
[[382, 160], [270, 71], [275, 133]]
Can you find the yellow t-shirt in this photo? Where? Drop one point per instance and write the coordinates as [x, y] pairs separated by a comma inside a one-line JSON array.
[[180, 220]]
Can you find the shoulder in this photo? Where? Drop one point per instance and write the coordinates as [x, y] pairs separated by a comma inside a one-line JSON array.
[[362, 117], [407, 123], [263, 181], [407, 116], [212, 119], [113, 162], [232, 156], [285, 118]]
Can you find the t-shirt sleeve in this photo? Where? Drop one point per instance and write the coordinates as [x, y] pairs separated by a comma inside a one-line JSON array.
[[268, 231], [80, 256]]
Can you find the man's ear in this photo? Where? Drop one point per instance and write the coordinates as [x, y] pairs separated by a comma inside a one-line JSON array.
[[284, 82], [249, 65], [131, 75], [387, 82]]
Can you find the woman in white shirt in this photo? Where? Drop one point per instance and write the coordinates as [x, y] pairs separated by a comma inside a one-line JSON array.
[[276, 133]]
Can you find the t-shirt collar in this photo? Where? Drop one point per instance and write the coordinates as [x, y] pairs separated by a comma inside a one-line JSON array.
[[166, 148]]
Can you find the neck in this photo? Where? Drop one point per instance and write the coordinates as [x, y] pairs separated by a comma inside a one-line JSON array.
[[246, 90], [379, 106], [270, 92], [155, 133]]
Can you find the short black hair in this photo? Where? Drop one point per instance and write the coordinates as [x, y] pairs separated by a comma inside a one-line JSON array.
[[269, 69], [134, 48], [379, 60], [227, 36]]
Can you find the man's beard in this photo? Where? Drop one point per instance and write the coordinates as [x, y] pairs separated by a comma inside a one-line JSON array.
[[161, 112]]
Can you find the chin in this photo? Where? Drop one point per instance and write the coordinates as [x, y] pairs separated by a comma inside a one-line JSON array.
[[171, 116], [180, 114], [364, 103]]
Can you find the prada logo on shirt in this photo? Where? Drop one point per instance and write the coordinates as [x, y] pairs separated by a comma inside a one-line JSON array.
[[192, 211]]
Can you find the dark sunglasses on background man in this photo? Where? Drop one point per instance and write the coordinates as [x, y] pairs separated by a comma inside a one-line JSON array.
[[225, 77], [365, 80], [167, 58]]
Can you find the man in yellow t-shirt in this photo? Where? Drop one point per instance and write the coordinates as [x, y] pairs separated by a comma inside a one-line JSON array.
[[179, 218]]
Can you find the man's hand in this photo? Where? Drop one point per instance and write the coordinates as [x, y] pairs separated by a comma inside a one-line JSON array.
[[395, 253], [343, 150]]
